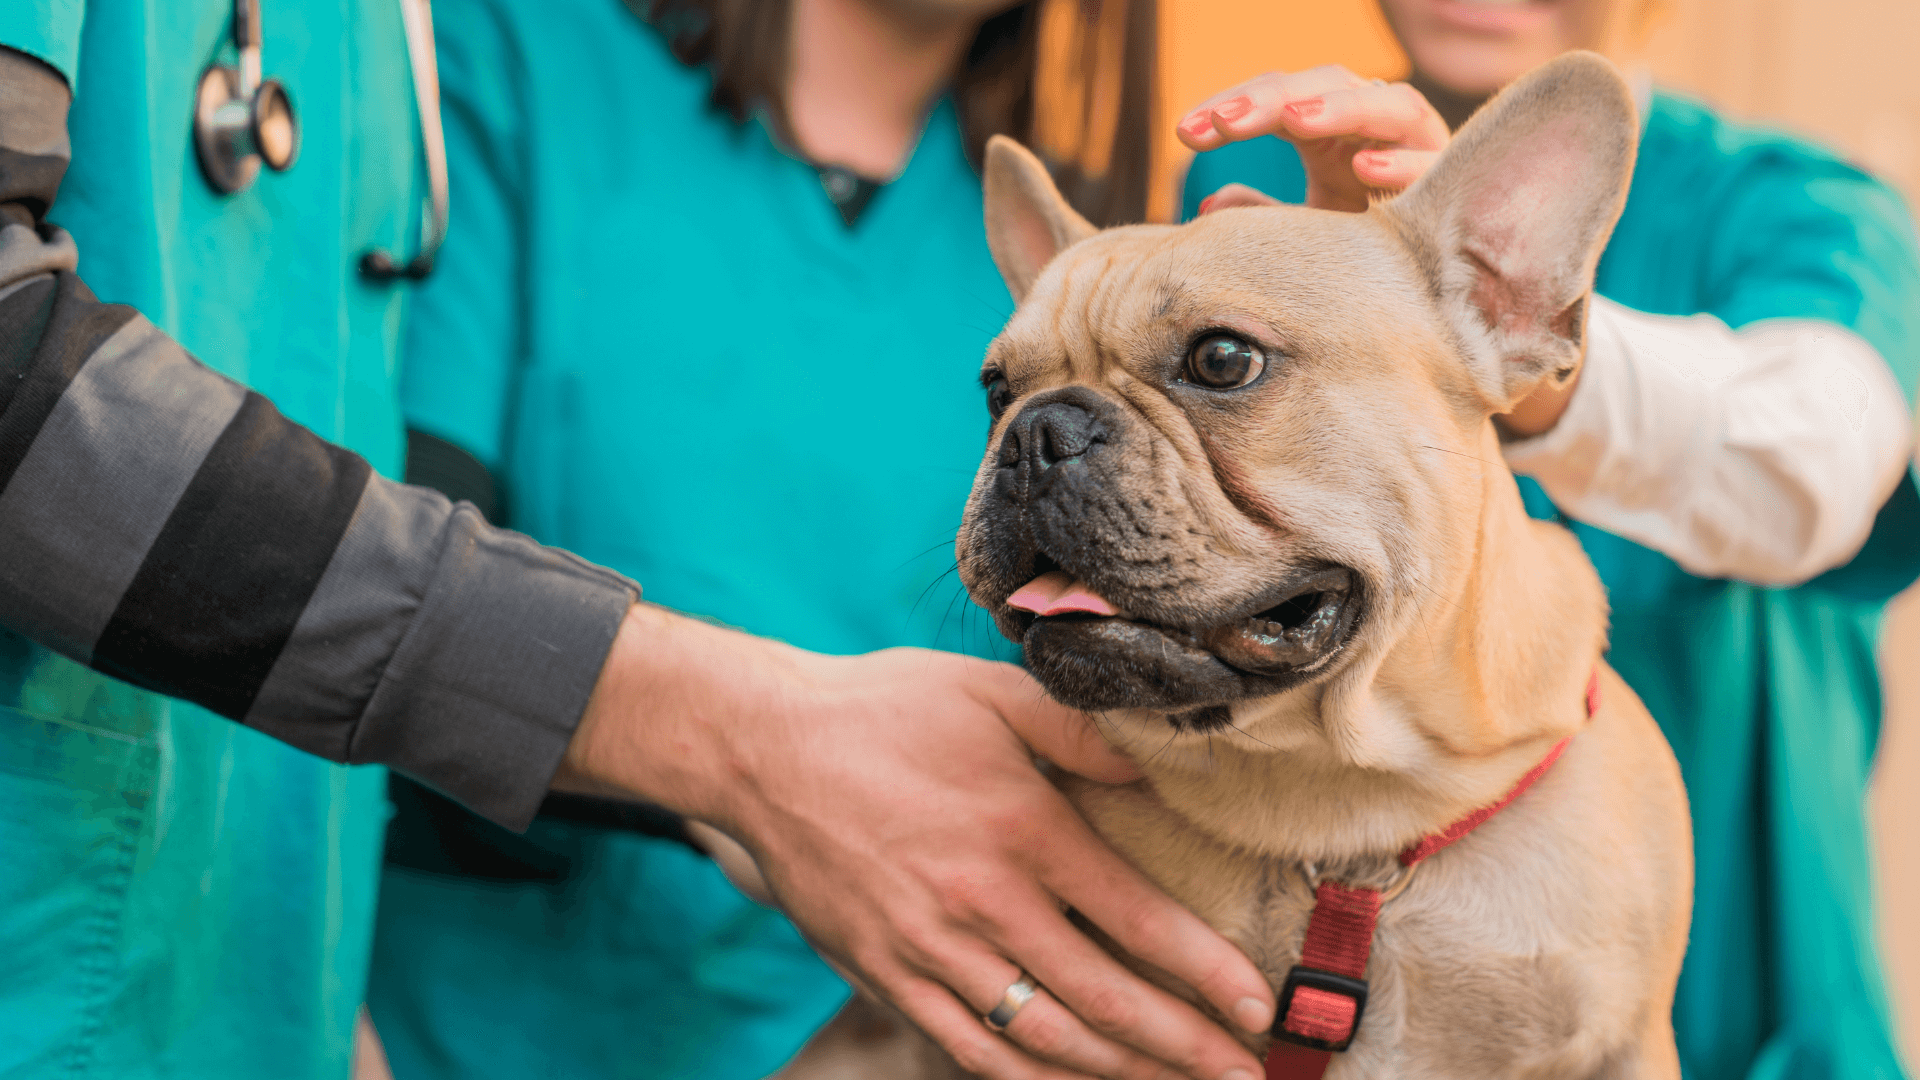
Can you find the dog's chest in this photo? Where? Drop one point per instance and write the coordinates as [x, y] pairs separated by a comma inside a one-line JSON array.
[[1466, 978]]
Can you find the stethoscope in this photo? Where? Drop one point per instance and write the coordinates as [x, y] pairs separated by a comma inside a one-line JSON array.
[[241, 122]]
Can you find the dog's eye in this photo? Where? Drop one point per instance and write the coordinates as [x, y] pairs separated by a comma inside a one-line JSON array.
[[998, 397], [1223, 362]]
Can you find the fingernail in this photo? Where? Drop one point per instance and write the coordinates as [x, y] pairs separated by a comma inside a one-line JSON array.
[[1206, 203], [1197, 124], [1234, 108], [1375, 158], [1308, 109], [1251, 1013]]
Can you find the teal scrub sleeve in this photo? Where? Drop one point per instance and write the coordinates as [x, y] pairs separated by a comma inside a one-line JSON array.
[[466, 332], [46, 29], [1802, 235], [167, 526]]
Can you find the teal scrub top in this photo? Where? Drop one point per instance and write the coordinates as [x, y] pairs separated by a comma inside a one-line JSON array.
[[653, 324], [1770, 696], [184, 897]]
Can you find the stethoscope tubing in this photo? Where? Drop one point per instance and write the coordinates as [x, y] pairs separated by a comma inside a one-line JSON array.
[[417, 17], [230, 102]]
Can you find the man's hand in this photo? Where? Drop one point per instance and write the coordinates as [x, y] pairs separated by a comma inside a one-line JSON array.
[[892, 802], [1357, 137]]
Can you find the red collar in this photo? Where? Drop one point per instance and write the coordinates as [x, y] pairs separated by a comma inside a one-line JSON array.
[[1326, 992]]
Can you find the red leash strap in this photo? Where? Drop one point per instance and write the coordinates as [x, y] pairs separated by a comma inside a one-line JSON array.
[[1326, 992]]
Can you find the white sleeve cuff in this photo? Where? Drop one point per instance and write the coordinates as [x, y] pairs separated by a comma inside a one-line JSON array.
[[1762, 454]]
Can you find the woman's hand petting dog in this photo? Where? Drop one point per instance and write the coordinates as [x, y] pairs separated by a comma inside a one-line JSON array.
[[893, 804], [1357, 137]]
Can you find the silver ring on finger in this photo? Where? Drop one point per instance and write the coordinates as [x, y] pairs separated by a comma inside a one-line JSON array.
[[1012, 1001]]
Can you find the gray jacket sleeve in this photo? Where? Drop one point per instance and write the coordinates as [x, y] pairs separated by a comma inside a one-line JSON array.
[[167, 526]]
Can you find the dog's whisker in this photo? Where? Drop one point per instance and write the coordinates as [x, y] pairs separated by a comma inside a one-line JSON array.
[[927, 552], [1456, 453], [1162, 750], [1248, 734], [991, 307], [948, 617], [931, 585]]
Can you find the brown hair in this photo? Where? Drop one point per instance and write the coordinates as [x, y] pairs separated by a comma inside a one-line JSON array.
[[1071, 78]]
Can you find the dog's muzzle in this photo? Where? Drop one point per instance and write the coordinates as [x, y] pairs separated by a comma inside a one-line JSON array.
[[1071, 550]]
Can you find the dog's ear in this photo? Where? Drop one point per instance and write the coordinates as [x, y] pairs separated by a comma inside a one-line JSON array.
[[1028, 222], [1510, 222]]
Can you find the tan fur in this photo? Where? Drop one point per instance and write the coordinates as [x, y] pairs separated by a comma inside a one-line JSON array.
[[1548, 942]]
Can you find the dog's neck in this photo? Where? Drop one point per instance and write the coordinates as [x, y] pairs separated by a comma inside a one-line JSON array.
[[1468, 687]]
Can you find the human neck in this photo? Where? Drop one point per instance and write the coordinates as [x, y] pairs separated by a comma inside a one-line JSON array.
[[860, 78]]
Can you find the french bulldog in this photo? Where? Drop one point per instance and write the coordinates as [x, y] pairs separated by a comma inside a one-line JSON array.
[[1244, 500]]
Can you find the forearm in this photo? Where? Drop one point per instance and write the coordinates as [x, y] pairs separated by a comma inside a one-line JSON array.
[[168, 526], [1761, 454]]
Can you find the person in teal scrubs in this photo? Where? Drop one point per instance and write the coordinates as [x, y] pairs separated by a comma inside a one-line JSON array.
[[189, 573], [184, 896], [663, 336], [1766, 687]]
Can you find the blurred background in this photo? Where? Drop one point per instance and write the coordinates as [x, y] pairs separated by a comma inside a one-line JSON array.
[[1842, 72]]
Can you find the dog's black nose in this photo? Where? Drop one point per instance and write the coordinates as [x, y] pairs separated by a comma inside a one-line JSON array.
[[1050, 434]]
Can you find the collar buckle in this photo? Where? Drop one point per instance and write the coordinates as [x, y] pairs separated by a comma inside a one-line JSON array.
[[1330, 1008]]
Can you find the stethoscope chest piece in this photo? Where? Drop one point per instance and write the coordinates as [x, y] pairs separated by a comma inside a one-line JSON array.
[[240, 120]]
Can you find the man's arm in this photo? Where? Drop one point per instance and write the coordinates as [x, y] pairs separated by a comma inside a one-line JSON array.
[[892, 803], [167, 526]]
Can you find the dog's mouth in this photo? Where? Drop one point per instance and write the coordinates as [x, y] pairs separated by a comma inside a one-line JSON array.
[[1300, 632], [1072, 632]]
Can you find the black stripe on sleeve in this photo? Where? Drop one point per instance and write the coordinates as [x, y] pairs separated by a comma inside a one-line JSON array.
[[450, 470], [30, 180], [218, 595], [47, 331]]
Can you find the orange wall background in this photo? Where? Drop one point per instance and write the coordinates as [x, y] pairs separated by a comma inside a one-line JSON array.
[[1209, 45], [1840, 71]]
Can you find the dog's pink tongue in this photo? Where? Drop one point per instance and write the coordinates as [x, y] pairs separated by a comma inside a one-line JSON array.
[[1058, 593]]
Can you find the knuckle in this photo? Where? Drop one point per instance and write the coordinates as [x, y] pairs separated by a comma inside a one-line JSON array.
[[976, 1056], [1218, 978], [919, 945], [1110, 1010], [1144, 923], [969, 1054], [1028, 819], [964, 897], [1045, 1036]]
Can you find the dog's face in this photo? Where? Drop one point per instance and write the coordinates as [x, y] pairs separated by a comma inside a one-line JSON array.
[[1231, 457]]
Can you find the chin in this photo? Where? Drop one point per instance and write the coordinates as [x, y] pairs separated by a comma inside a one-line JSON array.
[[1476, 68], [1473, 48]]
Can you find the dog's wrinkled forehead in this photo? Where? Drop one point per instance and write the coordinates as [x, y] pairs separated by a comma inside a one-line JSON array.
[[1118, 305], [1505, 231]]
